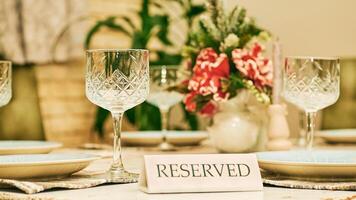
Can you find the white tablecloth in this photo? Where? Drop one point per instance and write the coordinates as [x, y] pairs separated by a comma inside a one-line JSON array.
[[133, 162]]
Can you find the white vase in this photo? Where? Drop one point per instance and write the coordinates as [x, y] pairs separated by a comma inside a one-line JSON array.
[[240, 126]]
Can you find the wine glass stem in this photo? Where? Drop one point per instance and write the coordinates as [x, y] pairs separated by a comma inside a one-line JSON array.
[[310, 129], [117, 164], [164, 122]]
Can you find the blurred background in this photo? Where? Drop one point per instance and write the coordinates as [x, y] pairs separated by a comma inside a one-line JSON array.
[[46, 39]]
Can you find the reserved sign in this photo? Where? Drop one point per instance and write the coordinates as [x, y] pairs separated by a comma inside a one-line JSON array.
[[200, 173]]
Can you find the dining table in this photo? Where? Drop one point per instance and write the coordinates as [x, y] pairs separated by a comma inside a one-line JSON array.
[[133, 160]]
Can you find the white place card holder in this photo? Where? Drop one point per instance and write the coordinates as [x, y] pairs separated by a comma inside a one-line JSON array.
[[200, 173]]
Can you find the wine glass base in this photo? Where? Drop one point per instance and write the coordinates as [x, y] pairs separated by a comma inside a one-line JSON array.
[[165, 146], [119, 176]]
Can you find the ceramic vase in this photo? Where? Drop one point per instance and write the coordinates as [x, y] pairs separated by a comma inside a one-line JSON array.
[[240, 126]]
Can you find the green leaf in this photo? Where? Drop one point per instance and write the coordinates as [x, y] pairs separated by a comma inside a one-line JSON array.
[[131, 115], [191, 118], [195, 10], [100, 118], [129, 22], [145, 116], [157, 5], [110, 23], [91, 33], [205, 38], [145, 17], [149, 116], [139, 40], [162, 21], [167, 59]]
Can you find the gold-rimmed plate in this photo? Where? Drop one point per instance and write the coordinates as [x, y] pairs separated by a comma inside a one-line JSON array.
[[43, 165], [338, 135], [8, 147], [310, 164]]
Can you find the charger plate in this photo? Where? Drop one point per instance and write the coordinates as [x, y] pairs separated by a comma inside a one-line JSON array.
[[339, 135], [43, 165], [316, 164], [290, 182], [8, 147]]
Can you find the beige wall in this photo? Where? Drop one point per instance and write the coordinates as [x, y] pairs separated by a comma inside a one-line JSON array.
[[305, 27], [308, 27]]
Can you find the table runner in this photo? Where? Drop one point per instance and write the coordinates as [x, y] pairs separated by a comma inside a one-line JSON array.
[[87, 179], [281, 181], [83, 179]]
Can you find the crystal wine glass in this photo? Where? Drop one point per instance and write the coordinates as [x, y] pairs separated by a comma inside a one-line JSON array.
[[162, 78], [117, 80], [311, 83], [5, 82]]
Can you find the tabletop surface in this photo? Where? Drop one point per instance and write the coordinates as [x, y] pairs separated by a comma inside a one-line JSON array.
[[133, 162]]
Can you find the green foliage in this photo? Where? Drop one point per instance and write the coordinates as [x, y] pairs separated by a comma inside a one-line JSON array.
[[100, 118], [144, 116], [190, 117], [216, 30], [233, 84]]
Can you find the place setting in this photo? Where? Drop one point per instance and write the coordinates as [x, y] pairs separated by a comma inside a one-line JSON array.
[[162, 81], [208, 107], [21, 159]]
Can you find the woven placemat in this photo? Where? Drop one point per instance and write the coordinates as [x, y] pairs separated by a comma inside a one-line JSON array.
[[83, 179], [315, 184]]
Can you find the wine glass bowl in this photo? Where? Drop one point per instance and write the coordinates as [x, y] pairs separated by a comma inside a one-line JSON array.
[[117, 80], [162, 79], [5, 82], [311, 84]]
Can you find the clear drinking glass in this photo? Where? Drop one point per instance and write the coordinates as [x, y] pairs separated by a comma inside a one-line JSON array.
[[117, 80], [311, 83], [162, 78], [5, 82]]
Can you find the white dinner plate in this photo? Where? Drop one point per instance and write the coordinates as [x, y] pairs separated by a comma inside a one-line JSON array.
[[8, 147], [43, 165], [339, 135], [309, 164], [153, 138]]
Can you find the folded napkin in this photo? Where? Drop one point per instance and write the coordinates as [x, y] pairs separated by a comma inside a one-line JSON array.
[[83, 179], [282, 181]]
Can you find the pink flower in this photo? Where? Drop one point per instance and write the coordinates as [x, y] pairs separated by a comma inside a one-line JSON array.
[[253, 65], [209, 70], [189, 102], [209, 109], [208, 61]]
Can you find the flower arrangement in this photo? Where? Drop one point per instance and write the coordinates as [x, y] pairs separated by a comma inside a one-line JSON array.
[[225, 55]]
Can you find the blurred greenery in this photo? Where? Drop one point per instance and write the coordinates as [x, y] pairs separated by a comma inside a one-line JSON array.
[[146, 116], [342, 114], [21, 119]]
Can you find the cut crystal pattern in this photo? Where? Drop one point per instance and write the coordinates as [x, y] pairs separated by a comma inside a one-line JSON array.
[[311, 89], [5, 84], [120, 87]]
